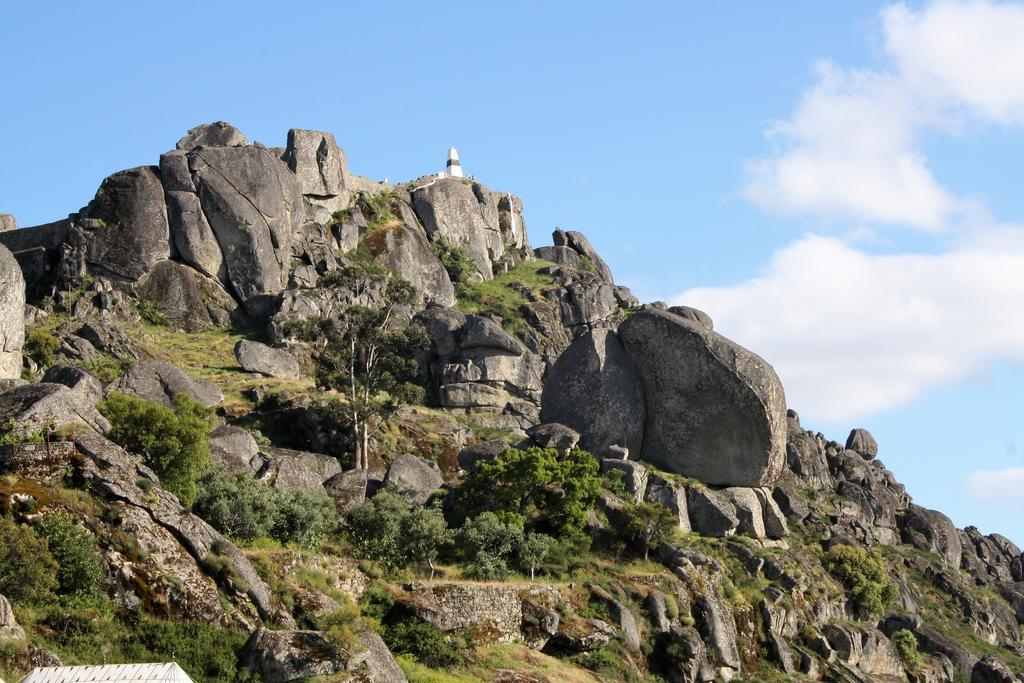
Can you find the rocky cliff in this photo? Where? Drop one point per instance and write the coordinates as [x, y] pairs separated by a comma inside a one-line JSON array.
[[190, 277]]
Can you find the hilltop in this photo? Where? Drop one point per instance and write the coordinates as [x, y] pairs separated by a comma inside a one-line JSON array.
[[278, 421]]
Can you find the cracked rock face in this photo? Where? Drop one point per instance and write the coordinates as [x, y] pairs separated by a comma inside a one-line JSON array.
[[12, 315]]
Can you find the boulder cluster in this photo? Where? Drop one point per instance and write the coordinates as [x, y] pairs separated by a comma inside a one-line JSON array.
[[227, 233]]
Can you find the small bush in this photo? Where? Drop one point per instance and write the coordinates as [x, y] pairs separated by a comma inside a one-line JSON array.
[[40, 345], [303, 518], [905, 643], [151, 314], [174, 443], [864, 575], [424, 641], [454, 259], [28, 571]]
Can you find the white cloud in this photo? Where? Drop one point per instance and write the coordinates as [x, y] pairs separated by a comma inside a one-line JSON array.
[[997, 486], [968, 54], [850, 149], [852, 334]]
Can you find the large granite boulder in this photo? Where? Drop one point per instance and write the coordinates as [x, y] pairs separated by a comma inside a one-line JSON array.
[[990, 670], [594, 388], [37, 405], [860, 440], [347, 489], [186, 298], [404, 249], [217, 134], [76, 379], [281, 656], [12, 315], [485, 223], [191, 233], [266, 360], [715, 411], [236, 450], [160, 382], [316, 160], [416, 477], [125, 226], [253, 204], [931, 531]]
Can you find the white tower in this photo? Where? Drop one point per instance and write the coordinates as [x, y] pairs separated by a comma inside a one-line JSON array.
[[453, 169]]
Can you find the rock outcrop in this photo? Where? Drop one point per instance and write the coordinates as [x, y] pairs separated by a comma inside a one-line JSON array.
[[160, 382], [256, 357], [715, 411], [12, 315], [594, 388], [9, 628]]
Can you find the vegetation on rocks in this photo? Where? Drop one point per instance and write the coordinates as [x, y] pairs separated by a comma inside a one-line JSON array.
[[175, 443], [863, 573], [506, 294]]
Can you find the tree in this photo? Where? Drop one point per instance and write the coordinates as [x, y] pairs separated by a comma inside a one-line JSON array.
[[28, 572], [303, 518], [424, 532], [533, 550], [175, 443], [374, 528], [488, 540], [549, 489], [649, 524], [361, 353], [78, 564]]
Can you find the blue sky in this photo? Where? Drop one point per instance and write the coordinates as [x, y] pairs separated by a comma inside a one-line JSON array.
[[836, 183]]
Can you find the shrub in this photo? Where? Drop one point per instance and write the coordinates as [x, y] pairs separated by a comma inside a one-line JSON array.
[[550, 490], [424, 641], [374, 529], [40, 345], [174, 443], [206, 652], [151, 314], [78, 565], [236, 505], [303, 518], [864, 575], [28, 571], [337, 626], [247, 509], [905, 643], [647, 525], [454, 259], [487, 541]]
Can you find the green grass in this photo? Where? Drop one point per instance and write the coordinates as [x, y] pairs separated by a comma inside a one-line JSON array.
[[503, 296], [210, 356]]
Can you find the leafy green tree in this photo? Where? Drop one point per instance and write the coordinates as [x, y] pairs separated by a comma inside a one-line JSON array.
[[28, 571], [374, 528], [303, 518], [78, 565], [534, 550], [175, 443], [487, 542], [864, 574], [424, 532], [362, 352], [549, 489], [649, 524]]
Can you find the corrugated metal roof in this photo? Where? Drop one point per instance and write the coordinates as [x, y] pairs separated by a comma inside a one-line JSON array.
[[107, 673]]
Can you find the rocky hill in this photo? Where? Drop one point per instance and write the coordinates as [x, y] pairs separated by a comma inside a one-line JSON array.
[[535, 477]]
